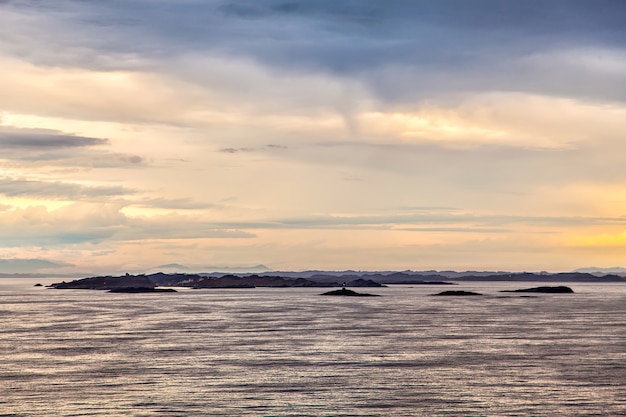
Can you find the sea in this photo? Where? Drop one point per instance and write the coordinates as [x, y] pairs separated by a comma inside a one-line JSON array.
[[291, 352]]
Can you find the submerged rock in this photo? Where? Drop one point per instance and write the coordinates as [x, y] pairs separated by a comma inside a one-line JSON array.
[[549, 290], [349, 293], [457, 293]]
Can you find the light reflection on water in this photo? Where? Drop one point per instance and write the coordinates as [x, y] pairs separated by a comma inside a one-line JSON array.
[[290, 352]]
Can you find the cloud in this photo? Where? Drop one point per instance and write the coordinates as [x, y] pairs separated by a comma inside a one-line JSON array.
[[102, 223], [266, 148], [36, 226], [173, 203], [235, 150], [513, 143], [105, 160], [47, 146], [401, 50], [43, 139], [11, 187], [175, 227], [431, 221], [37, 147], [132, 159]]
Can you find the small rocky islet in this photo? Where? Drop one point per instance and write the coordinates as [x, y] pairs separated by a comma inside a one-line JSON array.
[[349, 293], [456, 293], [561, 289]]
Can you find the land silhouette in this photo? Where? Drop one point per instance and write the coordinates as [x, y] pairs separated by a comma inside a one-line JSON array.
[[316, 279]]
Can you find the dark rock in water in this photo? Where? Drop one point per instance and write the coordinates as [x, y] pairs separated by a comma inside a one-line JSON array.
[[38, 285], [136, 290], [457, 293], [348, 293], [549, 290]]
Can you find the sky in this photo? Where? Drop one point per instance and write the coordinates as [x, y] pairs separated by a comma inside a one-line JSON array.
[[344, 134]]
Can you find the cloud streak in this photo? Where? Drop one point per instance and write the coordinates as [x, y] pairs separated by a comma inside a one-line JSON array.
[[33, 139], [12, 187]]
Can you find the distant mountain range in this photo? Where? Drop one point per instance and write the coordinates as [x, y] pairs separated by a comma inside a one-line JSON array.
[[36, 268], [174, 267], [618, 270], [408, 277], [25, 266]]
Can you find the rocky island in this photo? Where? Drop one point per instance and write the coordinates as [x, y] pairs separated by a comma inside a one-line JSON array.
[[456, 293], [148, 283], [107, 283]]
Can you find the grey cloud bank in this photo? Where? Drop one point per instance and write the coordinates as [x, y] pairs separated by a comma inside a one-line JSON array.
[[401, 50]]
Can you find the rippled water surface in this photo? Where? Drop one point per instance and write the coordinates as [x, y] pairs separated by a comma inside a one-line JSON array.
[[291, 352]]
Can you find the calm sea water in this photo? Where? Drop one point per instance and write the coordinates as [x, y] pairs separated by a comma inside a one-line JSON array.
[[291, 352]]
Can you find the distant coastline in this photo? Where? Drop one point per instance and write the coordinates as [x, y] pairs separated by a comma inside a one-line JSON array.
[[410, 277]]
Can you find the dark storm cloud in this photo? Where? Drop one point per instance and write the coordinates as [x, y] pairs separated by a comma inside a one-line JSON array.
[[352, 36], [222, 22], [355, 35], [450, 45]]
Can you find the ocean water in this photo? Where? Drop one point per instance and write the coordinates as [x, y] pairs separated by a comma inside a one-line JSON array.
[[291, 352]]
